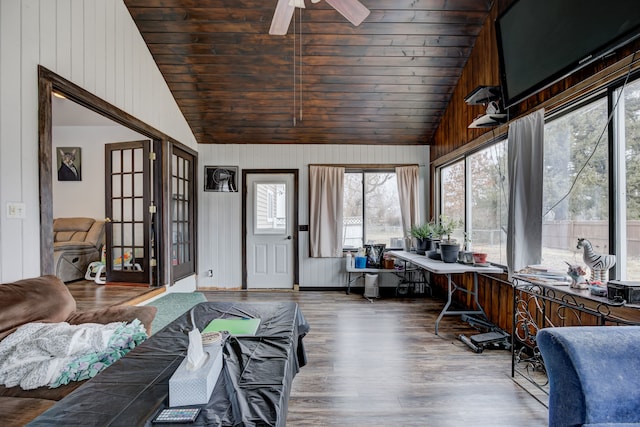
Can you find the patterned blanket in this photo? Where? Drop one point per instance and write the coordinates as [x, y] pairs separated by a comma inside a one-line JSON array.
[[53, 354]]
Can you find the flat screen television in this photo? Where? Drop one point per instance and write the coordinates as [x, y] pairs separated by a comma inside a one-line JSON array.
[[543, 41]]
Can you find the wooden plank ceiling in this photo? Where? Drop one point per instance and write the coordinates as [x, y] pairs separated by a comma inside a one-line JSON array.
[[387, 81]]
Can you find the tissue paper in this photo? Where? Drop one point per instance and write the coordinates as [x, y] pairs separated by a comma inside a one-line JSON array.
[[194, 380]]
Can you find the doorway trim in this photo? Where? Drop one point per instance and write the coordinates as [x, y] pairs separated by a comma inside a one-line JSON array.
[[48, 82], [245, 192]]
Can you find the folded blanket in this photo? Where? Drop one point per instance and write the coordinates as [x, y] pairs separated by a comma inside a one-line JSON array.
[[53, 354]]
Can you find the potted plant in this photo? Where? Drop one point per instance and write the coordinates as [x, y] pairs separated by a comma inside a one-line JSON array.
[[449, 248], [423, 233]]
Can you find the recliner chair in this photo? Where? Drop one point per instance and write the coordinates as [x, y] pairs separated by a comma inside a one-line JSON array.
[[76, 243]]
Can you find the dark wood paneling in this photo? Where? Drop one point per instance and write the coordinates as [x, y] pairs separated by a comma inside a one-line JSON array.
[[395, 72], [482, 69]]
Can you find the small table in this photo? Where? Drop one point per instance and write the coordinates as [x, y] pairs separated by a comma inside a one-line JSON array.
[[360, 272], [440, 267]]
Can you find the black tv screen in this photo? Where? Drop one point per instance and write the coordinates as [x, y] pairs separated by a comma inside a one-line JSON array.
[[543, 41]]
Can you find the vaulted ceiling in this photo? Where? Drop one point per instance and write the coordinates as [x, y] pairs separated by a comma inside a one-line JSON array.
[[387, 81]]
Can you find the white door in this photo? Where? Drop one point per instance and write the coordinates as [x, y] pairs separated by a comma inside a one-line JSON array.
[[270, 231]]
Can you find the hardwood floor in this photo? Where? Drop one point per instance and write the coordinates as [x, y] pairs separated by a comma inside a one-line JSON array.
[[380, 364], [88, 295]]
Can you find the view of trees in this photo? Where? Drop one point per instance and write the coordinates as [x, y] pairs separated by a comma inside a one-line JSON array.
[[575, 184], [376, 195]]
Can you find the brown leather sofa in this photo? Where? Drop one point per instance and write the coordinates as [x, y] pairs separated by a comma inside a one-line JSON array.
[[77, 242], [47, 299]]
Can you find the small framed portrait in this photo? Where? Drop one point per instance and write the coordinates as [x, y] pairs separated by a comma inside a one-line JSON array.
[[221, 178], [69, 163]]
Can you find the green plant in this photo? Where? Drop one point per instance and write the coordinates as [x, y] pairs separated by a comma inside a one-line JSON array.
[[447, 226], [422, 231]]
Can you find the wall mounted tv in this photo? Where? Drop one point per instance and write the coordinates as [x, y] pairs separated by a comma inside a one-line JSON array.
[[543, 41]]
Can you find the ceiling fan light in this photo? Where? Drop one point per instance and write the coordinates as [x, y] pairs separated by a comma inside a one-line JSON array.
[[315, 1], [297, 3]]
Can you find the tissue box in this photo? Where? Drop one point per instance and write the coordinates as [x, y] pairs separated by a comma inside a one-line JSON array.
[[195, 387]]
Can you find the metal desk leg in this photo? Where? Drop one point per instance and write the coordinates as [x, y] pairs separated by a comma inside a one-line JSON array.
[[348, 282], [452, 287], [446, 306]]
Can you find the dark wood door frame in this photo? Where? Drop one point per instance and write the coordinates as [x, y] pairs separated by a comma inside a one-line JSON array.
[[49, 82], [296, 255]]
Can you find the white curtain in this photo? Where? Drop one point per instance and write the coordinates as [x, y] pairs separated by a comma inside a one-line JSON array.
[[408, 180], [326, 187], [524, 229]]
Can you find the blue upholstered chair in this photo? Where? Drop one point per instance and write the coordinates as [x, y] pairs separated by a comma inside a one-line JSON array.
[[594, 375]]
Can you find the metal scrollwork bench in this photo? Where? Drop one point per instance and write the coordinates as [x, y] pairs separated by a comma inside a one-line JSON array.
[[541, 304]]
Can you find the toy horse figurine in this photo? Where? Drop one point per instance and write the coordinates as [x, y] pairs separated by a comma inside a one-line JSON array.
[[599, 264]]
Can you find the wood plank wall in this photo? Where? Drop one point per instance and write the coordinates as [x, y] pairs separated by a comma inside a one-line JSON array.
[[453, 137]]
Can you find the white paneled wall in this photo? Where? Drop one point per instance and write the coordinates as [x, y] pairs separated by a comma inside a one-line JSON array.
[[94, 44], [219, 223]]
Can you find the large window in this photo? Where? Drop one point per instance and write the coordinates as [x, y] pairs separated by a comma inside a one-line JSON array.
[[489, 201], [474, 190], [371, 209], [629, 137], [453, 200], [590, 183], [575, 184]]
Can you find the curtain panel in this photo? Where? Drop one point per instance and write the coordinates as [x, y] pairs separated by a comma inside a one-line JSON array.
[[408, 194], [524, 229], [326, 188]]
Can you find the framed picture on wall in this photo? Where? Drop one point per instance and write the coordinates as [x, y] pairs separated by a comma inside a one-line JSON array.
[[69, 163], [221, 178]]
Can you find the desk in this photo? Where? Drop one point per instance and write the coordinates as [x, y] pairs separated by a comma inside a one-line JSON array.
[[439, 267], [253, 388]]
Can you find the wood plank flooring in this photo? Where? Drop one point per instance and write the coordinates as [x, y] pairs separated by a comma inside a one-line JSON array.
[[380, 364], [88, 295]]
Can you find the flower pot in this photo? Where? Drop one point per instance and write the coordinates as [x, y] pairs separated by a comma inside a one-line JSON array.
[[449, 252]]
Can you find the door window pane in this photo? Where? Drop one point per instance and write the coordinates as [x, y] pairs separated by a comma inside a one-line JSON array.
[[575, 185], [270, 208]]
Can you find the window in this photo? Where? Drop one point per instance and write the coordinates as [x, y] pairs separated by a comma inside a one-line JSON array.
[[575, 184], [453, 201], [489, 201], [475, 191], [629, 137], [371, 212], [585, 157]]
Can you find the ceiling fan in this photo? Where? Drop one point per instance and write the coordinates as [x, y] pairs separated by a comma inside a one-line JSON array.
[[353, 10]]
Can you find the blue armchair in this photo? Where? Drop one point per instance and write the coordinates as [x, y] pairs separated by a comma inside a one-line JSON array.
[[594, 375]]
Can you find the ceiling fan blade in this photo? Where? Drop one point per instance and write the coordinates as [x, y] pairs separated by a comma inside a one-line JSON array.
[[281, 18], [353, 10]]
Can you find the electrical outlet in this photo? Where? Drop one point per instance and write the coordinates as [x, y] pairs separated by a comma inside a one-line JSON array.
[[16, 210], [210, 273]]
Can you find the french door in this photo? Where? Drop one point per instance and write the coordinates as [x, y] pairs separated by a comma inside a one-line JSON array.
[[130, 212]]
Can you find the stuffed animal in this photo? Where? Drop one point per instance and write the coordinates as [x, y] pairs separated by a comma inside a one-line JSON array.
[[577, 273]]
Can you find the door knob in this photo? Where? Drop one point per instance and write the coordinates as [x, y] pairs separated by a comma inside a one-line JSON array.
[[289, 237], [107, 220]]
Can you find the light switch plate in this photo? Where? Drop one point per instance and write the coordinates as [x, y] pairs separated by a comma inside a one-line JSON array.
[[16, 210]]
